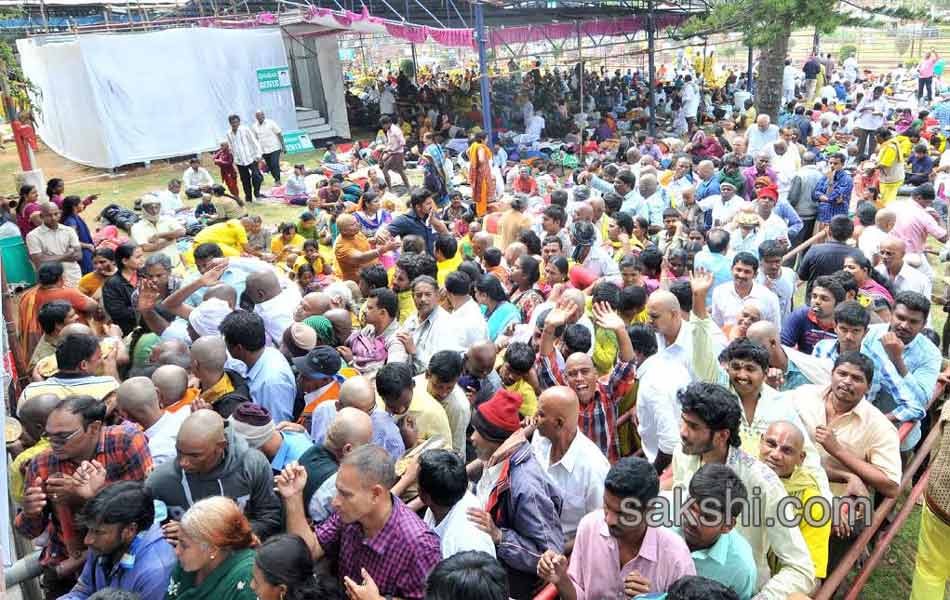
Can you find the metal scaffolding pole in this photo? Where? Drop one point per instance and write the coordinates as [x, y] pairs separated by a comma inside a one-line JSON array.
[[483, 81], [651, 51]]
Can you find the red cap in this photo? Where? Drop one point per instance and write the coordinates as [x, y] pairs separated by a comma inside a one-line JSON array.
[[769, 191], [498, 415]]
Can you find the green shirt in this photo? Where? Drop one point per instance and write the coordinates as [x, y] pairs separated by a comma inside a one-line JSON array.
[[230, 581]]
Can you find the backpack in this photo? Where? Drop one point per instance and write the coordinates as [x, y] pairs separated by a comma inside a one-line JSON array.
[[122, 218], [368, 350]]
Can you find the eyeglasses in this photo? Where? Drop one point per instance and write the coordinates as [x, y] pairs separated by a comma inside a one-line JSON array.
[[61, 439]]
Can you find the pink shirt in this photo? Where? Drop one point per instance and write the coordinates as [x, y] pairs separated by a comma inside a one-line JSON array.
[[595, 563], [914, 225], [926, 68]]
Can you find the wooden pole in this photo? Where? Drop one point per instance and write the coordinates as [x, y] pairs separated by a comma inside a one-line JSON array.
[[805, 245]]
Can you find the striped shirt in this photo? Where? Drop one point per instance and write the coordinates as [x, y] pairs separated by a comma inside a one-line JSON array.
[[244, 145]]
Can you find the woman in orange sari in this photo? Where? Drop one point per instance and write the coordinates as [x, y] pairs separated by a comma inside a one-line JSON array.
[[479, 174]]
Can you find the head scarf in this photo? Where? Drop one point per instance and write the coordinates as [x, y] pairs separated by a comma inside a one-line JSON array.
[[324, 329], [583, 234]]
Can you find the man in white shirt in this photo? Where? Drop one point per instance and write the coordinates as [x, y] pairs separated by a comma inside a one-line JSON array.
[[728, 298], [247, 153], [871, 113], [137, 401], [725, 205], [674, 335], [171, 197], [274, 305], [443, 488], [789, 74], [157, 233], [872, 237], [466, 316], [430, 329], [52, 242], [271, 139], [387, 101], [905, 277], [394, 153], [762, 134], [690, 99], [571, 460], [658, 412], [196, 179]]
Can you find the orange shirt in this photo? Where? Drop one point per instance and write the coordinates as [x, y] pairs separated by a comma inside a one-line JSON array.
[[345, 251], [186, 400]]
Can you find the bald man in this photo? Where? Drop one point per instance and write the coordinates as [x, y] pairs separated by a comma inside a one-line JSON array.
[[221, 388], [904, 277], [575, 463], [213, 461], [342, 322], [674, 336], [600, 403], [32, 414], [350, 428], [358, 393], [314, 303], [781, 448], [353, 250], [479, 378], [274, 305], [137, 401], [171, 384], [481, 242]]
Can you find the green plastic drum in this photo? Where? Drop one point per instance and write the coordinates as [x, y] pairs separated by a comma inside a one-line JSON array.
[[16, 262]]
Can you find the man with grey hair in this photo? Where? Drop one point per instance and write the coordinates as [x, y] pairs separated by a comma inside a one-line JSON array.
[[762, 134], [651, 200], [137, 401], [367, 515], [800, 195], [156, 232]]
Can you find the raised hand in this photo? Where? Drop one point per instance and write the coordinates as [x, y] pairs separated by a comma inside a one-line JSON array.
[[213, 275], [562, 312], [291, 481], [700, 282], [606, 317]]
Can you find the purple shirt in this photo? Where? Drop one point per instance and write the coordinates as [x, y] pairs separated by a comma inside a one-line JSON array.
[[595, 567], [398, 558]]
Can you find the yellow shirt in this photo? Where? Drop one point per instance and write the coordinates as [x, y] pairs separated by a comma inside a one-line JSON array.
[[407, 307], [278, 246], [447, 266], [47, 366], [816, 537], [529, 401], [230, 233], [430, 417], [18, 468], [213, 393], [316, 265]]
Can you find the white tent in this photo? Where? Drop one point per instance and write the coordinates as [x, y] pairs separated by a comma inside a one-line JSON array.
[[115, 99]]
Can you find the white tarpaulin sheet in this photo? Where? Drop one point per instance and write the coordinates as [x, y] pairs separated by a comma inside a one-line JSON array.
[[115, 99]]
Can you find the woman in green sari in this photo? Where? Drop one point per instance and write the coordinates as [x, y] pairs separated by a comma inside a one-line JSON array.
[[215, 553]]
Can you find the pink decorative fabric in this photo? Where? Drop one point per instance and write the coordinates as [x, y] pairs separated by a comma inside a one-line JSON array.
[[410, 33], [454, 38]]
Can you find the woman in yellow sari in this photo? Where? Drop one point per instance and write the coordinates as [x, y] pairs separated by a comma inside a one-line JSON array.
[[479, 174]]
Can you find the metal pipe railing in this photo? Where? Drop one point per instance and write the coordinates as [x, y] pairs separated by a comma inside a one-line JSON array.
[[838, 576], [881, 547]]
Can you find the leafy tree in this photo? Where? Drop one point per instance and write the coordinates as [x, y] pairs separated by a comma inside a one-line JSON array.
[[767, 25]]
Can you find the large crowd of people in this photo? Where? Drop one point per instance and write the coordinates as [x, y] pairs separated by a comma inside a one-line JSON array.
[[573, 360]]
